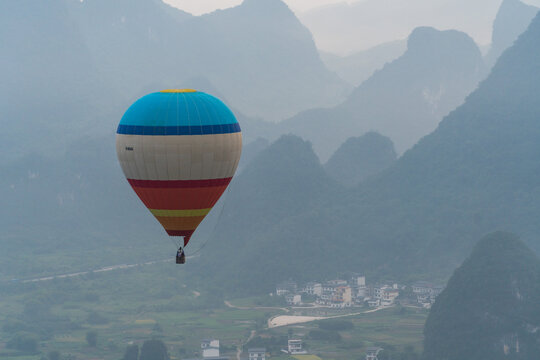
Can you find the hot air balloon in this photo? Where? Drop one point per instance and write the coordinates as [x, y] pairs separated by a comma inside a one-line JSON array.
[[179, 150]]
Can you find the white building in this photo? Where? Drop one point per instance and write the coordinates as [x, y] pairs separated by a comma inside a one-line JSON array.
[[294, 347], [286, 288], [210, 348], [257, 354], [337, 282], [326, 296], [293, 299], [388, 296], [422, 287], [372, 353], [358, 281], [426, 292], [342, 296], [313, 288], [361, 292]]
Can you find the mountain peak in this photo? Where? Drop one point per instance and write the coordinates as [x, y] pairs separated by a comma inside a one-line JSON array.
[[492, 298], [427, 39], [361, 157], [266, 5], [512, 19]]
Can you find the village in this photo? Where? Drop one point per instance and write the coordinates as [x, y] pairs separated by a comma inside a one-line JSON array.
[[355, 292]]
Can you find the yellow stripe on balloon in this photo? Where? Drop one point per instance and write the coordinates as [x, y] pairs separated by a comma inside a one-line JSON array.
[[180, 213], [178, 91]]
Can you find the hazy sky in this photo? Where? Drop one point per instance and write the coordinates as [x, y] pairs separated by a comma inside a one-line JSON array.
[[198, 7], [374, 22]]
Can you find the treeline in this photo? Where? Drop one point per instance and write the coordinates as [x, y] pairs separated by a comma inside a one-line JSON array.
[[150, 350]]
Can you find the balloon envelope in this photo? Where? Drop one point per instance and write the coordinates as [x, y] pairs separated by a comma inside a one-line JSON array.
[[179, 150]]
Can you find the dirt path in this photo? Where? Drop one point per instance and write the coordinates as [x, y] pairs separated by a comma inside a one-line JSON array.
[[239, 348], [228, 303], [100, 270], [284, 320]]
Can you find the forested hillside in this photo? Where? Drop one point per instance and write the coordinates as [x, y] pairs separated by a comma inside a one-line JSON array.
[[478, 172], [361, 157], [489, 310]]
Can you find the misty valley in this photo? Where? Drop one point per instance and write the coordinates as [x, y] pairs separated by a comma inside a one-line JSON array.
[[331, 190]]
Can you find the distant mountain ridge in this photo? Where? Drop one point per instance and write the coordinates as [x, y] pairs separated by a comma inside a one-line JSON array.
[[336, 27], [512, 20], [88, 61], [478, 172], [361, 157], [405, 100], [358, 67], [243, 51]]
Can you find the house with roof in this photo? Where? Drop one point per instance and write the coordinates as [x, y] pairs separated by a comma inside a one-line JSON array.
[[426, 292], [210, 350], [286, 287], [293, 299], [257, 354], [294, 347], [342, 297], [388, 296], [313, 288], [373, 352]]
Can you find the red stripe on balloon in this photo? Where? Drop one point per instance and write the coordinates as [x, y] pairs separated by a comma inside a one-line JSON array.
[[179, 198], [185, 233], [179, 183]]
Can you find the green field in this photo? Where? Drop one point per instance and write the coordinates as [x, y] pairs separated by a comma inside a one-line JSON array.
[[133, 305]]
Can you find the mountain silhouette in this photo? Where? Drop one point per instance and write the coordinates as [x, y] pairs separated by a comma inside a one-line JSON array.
[[489, 310], [361, 157], [405, 100], [512, 20], [476, 173]]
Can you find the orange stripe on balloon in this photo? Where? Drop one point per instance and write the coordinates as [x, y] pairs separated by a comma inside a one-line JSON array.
[[180, 223]]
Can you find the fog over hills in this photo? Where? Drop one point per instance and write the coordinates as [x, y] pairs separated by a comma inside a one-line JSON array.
[[489, 310], [80, 64], [433, 77], [389, 163], [476, 173], [358, 67], [361, 157], [284, 180], [344, 28]]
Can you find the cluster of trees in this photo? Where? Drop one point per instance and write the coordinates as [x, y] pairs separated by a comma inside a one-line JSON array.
[[150, 350], [392, 353], [329, 330], [272, 343]]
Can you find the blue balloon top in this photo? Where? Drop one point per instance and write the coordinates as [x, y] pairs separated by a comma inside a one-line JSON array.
[[178, 112]]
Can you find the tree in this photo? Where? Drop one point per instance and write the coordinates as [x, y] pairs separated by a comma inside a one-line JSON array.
[[53, 355], [23, 342], [154, 350], [336, 325], [91, 338], [131, 353]]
